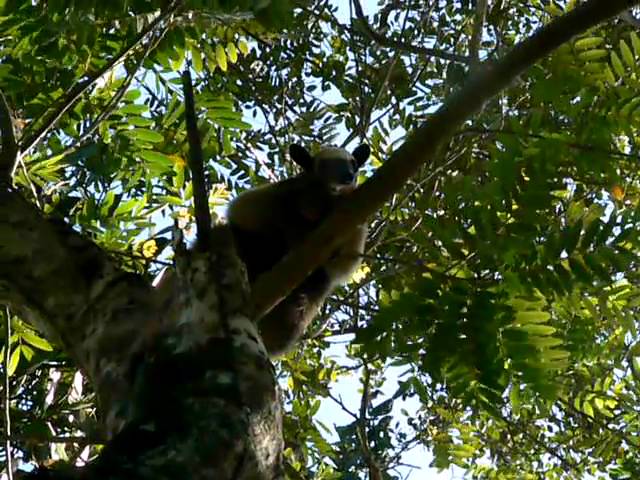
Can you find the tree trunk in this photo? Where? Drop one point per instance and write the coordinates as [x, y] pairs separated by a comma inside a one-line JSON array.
[[184, 384]]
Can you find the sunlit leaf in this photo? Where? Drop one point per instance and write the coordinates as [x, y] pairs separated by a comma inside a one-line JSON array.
[[38, 342], [221, 57]]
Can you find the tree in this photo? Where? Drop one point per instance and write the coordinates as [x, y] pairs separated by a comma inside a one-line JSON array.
[[500, 274]]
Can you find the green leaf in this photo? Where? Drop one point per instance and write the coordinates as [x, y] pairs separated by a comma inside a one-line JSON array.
[[139, 121], [145, 135], [196, 58], [128, 206], [36, 341], [134, 108], [535, 329], [221, 57], [635, 42], [629, 107], [587, 408], [243, 47], [232, 52], [609, 75], [157, 162], [532, 317], [230, 123], [617, 65], [555, 354], [588, 43], [544, 342], [627, 55], [14, 359], [591, 55], [132, 95]]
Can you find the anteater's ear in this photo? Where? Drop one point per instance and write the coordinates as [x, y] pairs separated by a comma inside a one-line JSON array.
[[302, 157], [361, 153]]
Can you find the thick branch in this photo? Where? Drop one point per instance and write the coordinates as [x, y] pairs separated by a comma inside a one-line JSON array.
[[64, 284], [401, 46], [422, 144], [9, 153]]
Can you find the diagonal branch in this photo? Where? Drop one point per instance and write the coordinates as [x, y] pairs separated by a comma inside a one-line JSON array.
[[629, 18], [48, 122], [9, 152], [422, 144], [401, 46]]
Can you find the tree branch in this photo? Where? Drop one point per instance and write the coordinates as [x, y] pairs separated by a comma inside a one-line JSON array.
[[629, 18], [421, 146], [9, 153], [196, 163], [7, 393], [537, 136], [476, 35], [401, 46]]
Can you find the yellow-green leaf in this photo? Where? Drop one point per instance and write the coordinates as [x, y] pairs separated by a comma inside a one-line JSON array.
[[587, 408], [594, 54], [197, 60], [13, 361], [588, 43], [232, 52], [514, 396], [608, 74], [157, 162], [617, 64], [627, 55], [534, 329], [38, 342], [631, 105], [555, 354], [635, 42], [243, 46], [553, 10], [532, 317], [221, 57], [145, 135], [544, 342]]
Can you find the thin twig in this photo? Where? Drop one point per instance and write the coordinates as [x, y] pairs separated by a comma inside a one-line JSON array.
[[7, 395], [537, 136], [476, 35], [81, 439], [390, 43], [196, 164], [375, 473]]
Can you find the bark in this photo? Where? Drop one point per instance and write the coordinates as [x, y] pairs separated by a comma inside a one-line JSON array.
[[191, 370]]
